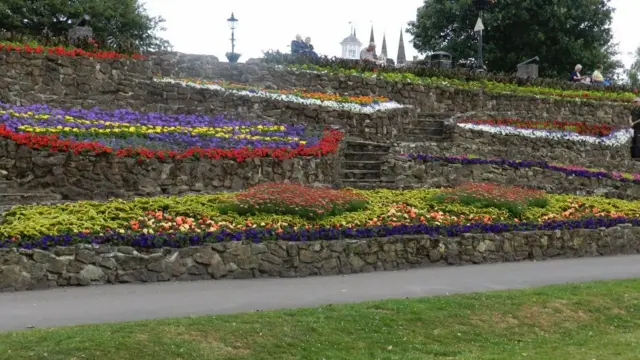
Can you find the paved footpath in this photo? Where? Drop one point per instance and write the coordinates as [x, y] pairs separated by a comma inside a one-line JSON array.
[[116, 303]]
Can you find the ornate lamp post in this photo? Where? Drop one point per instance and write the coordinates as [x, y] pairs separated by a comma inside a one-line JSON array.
[[232, 56]]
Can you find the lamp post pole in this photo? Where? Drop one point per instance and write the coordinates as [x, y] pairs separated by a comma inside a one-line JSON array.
[[480, 60], [232, 56]]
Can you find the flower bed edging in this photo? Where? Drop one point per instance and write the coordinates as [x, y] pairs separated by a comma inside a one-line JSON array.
[[83, 265], [351, 107]]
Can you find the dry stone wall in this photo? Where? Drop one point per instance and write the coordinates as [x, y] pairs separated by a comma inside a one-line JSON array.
[[86, 177], [440, 99], [84, 265], [410, 174], [487, 145]]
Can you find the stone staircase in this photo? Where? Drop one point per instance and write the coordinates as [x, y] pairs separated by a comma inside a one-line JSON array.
[[11, 195], [362, 166], [429, 127]]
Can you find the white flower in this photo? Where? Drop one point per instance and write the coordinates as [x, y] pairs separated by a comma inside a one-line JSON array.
[[352, 107], [616, 138]]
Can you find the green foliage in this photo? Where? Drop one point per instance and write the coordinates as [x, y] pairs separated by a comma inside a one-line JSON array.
[[424, 71], [562, 33], [121, 25], [633, 73], [612, 94], [38, 220]]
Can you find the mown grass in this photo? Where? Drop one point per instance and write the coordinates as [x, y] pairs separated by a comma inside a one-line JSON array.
[[572, 322]]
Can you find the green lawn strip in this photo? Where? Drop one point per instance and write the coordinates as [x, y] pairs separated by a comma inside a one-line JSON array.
[[599, 320]]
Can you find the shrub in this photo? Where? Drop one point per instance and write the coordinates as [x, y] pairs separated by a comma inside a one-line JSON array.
[[294, 199], [513, 199]]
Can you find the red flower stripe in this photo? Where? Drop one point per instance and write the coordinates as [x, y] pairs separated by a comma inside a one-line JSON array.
[[328, 144], [61, 51], [573, 126]]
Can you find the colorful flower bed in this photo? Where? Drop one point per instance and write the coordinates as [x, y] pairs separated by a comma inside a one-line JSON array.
[[151, 135], [198, 219], [487, 85], [62, 51], [557, 130], [577, 127], [302, 93], [358, 104], [570, 170]]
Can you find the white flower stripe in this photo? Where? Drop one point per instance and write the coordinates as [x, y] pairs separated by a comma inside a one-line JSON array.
[[352, 107], [616, 138]]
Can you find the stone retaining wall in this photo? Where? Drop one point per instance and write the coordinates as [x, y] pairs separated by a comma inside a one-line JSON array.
[[84, 82], [441, 99], [85, 177], [411, 174], [87, 265], [487, 145]]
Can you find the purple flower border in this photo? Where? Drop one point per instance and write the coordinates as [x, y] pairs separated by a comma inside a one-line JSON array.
[[186, 239], [525, 164]]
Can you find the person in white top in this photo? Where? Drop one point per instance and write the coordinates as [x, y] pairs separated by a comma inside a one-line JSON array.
[[367, 53]]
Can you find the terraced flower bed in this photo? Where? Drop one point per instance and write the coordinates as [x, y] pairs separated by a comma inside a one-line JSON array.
[[356, 104], [281, 215], [150, 135], [596, 94], [571, 170], [557, 130], [66, 51]]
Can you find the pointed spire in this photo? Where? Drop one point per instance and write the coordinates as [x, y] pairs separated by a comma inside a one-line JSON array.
[[402, 57], [383, 52], [372, 40]]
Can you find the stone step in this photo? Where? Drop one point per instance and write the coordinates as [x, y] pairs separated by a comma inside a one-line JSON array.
[[363, 146], [363, 165], [436, 115], [424, 124], [7, 185], [424, 131], [364, 156], [368, 184], [361, 174], [25, 198], [422, 138]]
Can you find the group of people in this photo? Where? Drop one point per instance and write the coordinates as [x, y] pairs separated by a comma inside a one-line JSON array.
[[300, 47], [596, 78]]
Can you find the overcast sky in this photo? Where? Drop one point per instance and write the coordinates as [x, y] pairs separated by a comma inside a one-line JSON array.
[[200, 27]]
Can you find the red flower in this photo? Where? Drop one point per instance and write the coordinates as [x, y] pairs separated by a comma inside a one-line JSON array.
[[328, 144]]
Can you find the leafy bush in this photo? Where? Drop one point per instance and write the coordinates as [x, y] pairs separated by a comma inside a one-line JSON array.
[[422, 69], [513, 199], [294, 199]]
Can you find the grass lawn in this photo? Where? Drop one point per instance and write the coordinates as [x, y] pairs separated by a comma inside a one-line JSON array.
[[577, 322]]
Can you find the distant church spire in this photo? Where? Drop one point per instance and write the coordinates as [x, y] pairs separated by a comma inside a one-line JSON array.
[[383, 52], [372, 40], [402, 57]]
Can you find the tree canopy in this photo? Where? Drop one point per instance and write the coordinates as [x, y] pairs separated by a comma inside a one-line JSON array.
[[562, 33], [633, 73], [117, 23]]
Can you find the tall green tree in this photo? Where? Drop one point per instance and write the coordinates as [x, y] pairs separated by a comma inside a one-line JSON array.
[[633, 73], [119, 23], [562, 33]]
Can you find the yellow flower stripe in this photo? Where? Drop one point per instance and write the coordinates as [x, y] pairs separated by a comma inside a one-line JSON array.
[[71, 119], [125, 128], [152, 130]]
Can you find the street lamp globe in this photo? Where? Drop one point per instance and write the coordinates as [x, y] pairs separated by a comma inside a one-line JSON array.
[[232, 21]]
